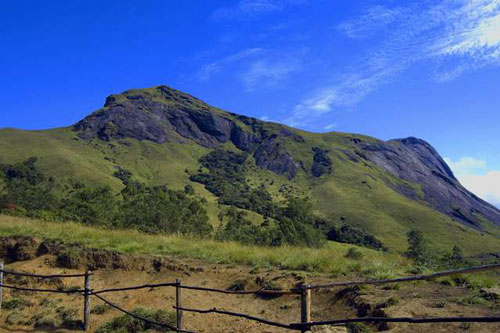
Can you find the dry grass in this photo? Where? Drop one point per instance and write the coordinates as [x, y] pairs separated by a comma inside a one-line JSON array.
[[329, 259]]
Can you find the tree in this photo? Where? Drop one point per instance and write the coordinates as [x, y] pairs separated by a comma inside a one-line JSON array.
[[417, 249]]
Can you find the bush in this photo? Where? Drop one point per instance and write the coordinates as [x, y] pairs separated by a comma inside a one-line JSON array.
[[16, 303], [96, 206], [100, 309], [417, 249], [347, 234], [159, 209], [354, 253], [126, 323]]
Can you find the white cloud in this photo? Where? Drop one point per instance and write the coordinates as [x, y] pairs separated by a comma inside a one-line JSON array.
[[250, 9], [331, 126], [466, 166], [268, 73], [485, 186], [207, 71], [471, 174], [455, 35]]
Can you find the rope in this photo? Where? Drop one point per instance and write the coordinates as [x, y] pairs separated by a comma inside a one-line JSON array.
[[406, 279], [241, 315], [43, 276], [163, 325]]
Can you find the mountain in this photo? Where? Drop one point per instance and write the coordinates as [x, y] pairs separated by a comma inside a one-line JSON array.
[[161, 135]]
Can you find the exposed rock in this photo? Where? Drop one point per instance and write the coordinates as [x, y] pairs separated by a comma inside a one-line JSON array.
[[321, 162], [417, 161], [162, 114], [272, 156]]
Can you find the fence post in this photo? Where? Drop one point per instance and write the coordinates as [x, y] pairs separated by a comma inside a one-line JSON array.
[[178, 303], [305, 307], [1, 284], [86, 304]]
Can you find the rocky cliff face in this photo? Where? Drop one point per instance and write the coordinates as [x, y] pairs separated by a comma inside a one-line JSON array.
[[417, 161], [163, 114], [160, 115]]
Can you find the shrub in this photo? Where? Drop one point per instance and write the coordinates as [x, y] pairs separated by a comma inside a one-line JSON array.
[[239, 284], [16, 303], [354, 253], [126, 323], [347, 234], [100, 309], [159, 209], [357, 328], [417, 249], [388, 302]]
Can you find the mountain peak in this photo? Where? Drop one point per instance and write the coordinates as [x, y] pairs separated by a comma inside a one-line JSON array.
[[158, 93]]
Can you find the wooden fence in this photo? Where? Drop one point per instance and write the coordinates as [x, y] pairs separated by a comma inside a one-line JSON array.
[[304, 291]]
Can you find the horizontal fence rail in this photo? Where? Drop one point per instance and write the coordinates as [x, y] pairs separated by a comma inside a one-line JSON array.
[[54, 276], [131, 314], [409, 278], [428, 320], [303, 290], [240, 315]]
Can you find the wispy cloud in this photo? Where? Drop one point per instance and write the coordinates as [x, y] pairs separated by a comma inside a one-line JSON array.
[[331, 126], [471, 173], [269, 73], [251, 9], [456, 36], [208, 70]]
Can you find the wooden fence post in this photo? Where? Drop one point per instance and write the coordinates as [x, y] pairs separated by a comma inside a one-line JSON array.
[[305, 307], [1, 284], [178, 303], [86, 304]]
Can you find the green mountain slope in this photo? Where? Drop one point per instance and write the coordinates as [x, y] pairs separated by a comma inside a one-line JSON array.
[[161, 135]]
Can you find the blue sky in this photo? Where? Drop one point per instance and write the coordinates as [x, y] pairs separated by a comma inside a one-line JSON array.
[[383, 68]]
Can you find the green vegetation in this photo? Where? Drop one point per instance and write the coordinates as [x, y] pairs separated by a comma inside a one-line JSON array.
[[353, 253], [226, 178], [417, 249], [16, 303], [150, 209], [159, 209], [348, 234], [127, 323], [295, 223], [328, 259], [351, 193]]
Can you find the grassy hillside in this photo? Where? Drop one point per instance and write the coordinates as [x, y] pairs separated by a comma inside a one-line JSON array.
[[356, 193], [160, 135], [329, 259]]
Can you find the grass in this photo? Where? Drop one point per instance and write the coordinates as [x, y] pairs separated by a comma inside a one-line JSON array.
[[329, 259]]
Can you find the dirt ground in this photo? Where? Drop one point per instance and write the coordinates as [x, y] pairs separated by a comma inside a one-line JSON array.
[[423, 299]]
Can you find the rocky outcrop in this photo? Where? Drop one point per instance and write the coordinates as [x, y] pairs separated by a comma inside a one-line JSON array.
[[417, 161], [164, 114], [273, 156], [321, 162]]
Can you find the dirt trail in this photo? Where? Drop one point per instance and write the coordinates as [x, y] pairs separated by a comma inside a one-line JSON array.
[[116, 270]]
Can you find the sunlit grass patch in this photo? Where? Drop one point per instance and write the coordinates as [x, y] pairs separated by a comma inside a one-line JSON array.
[[328, 259]]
